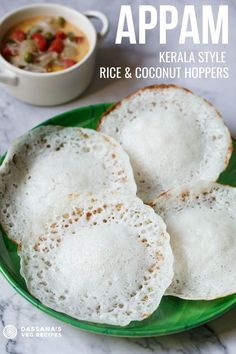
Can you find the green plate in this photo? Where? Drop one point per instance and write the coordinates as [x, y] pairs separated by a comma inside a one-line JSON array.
[[173, 315]]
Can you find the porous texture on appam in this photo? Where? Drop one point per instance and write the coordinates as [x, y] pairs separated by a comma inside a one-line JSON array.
[[172, 136], [49, 162], [201, 221], [106, 260]]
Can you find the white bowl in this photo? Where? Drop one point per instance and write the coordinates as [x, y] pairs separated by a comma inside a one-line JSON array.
[[47, 89]]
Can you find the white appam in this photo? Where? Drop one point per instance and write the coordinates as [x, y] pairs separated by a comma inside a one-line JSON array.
[[49, 162], [201, 221], [172, 136], [107, 260]]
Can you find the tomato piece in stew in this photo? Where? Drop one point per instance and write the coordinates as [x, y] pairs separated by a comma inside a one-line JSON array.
[[44, 44]]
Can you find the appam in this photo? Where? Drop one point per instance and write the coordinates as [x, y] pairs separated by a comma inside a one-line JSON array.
[[201, 221], [49, 162], [172, 137], [107, 259]]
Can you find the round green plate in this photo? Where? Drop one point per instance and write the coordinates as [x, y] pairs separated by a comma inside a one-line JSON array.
[[173, 315]]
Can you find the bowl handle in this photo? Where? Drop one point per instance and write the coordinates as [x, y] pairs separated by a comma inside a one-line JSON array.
[[103, 18], [7, 77]]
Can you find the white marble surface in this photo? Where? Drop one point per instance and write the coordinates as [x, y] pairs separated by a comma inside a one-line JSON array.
[[218, 336]]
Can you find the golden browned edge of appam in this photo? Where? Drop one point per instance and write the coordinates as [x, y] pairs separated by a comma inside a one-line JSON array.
[[145, 88], [164, 87], [210, 298], [184, 192]]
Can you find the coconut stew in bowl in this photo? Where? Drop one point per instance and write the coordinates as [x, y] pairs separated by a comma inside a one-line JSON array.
[[44, 45]]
